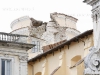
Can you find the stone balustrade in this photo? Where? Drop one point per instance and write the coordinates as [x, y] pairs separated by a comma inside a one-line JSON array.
[[12, 37]]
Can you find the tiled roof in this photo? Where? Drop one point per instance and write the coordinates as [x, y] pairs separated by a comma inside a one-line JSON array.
[[51, 46], [74, 39]]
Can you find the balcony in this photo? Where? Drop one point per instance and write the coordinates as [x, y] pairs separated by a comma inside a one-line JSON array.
[[13, 37]]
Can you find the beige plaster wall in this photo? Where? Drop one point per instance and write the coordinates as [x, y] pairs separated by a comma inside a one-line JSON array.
[[30, 69], [76, 49], [68, 57], [88, 43], [51, 61], [38, 66]]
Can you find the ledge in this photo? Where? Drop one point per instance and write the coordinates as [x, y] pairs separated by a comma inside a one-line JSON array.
[[23, 46]]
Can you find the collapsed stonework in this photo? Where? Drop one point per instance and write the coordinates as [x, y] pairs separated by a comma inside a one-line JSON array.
[[61, 27]]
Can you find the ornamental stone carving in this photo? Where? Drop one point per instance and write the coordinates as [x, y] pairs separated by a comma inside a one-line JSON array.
[[92, 62], [23, 58], [96, 14]]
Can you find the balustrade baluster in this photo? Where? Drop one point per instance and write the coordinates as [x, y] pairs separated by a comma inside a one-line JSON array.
[[11, 37], [16, 38], [2, 36], [7, 37]]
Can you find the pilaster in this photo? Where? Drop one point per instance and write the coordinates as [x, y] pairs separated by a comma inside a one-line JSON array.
[[92, 60], [23, 64]]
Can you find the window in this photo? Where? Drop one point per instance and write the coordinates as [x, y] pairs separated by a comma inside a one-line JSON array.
[[37, 46], [6, 67]]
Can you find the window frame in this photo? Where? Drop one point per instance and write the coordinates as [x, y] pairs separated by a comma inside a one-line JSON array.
[[6, 58], [37, 47]]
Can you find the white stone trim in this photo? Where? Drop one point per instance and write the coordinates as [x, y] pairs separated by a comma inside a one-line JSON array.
[[90, 2], [20, 19], [73, 31], [55, 14], [23, 63], [12, 52], [12, 63], [21, 31]]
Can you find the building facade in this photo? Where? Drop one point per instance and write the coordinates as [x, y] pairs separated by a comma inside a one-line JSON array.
[[64, 59], [13, 54], [51, 48]]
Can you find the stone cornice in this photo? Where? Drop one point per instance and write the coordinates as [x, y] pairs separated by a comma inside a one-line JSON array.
[[66, 16], [73, 30], [22, 55], [19, 29], [15, 45], [12, 52], [90, 2]]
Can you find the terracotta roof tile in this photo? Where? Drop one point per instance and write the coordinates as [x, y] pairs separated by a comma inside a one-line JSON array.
[[48, 47], [82, 35]]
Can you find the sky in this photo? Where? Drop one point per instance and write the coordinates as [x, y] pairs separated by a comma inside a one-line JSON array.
[[41, 9]]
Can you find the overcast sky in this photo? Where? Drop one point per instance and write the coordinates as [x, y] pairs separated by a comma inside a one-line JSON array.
[[41, 9]]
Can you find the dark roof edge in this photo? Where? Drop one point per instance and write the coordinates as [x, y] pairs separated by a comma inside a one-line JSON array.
[[62, 45]]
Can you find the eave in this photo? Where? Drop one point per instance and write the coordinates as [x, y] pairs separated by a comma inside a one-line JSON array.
[[89, 32]]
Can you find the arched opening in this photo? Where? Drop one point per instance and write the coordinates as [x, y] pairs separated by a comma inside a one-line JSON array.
[[78, 70], [39, 73], [75, 59]]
